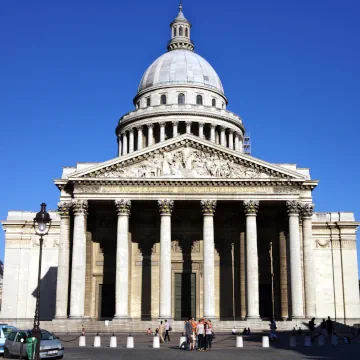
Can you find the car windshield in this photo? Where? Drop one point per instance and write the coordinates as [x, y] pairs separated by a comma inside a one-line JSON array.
[[45, 335], [7, 330]]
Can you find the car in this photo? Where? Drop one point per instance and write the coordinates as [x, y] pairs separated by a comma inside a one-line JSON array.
[[5, 330], [50, 346]]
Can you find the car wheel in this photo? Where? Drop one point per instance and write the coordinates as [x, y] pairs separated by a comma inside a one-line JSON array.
[[7, 354]]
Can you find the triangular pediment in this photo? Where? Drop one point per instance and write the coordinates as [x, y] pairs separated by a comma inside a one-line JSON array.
[[186, 157]]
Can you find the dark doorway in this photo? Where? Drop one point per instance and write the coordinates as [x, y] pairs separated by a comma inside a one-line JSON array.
[[185, 295], [265, 301], [106, 301]]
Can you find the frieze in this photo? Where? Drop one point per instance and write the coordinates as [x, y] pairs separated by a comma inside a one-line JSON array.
[[164, 189]]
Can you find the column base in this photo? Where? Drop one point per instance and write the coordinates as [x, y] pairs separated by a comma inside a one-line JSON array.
[[297, 317], [256, 317], [75, 317], [119, 317], [165, 317], [60, 317]]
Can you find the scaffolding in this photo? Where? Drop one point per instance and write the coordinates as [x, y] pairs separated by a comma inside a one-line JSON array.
[[247, 144]]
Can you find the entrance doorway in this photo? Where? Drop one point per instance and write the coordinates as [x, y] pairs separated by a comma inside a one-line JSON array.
[[185, 295], [106, 301]]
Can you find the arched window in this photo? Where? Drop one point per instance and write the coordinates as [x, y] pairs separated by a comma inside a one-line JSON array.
[[138, 105], [174, 31], [186, 32], [148, 101], [163, 100], [181, 31], [181, 99], [199, 100], [213, 103]]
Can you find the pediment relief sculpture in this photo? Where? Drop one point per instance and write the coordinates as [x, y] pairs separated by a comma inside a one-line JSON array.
[[184, 163]]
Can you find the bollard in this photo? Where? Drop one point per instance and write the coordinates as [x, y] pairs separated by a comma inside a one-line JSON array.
[[307, 341], [239, 341], [292, 341], [130, 342], [182, 341], [113, 341], [334, 340], [82, 340], [97, 340], [156, 342], [265, 341], [321, 340]]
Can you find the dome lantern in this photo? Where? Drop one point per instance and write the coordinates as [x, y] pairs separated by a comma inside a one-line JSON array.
[[180, 32]]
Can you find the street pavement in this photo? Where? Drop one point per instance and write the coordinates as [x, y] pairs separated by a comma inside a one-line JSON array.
[[224, 348]]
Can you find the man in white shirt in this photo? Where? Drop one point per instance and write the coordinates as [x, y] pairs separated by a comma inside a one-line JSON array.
[[167, 329]]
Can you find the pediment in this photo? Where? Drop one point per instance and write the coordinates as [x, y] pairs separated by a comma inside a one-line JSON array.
[[186, 157]]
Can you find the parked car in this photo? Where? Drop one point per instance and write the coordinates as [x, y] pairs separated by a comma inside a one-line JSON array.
[[5, 330], [50, 346]]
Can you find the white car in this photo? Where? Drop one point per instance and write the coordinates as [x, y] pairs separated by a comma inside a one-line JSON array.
[[50, 346], [5, 330]]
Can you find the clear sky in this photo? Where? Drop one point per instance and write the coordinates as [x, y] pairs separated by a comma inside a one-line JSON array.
[[70, 69]]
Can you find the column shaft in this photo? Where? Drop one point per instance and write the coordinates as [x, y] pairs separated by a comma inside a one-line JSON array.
[[162, 132], [131, 141], [64, 262], [175, 128], [252, 266], [222, 137], [124, 152], [140, 138], [231, 140], [77, 294], [236, 142], [283, 277], [201, 130], [297, 305], [241, 145], [188, 127], [165, 258], [212, 133], [309, 279], [242, 276], [119, 145], [122, 260], [150, 134]]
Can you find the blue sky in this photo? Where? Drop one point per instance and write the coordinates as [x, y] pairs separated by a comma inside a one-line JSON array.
[[70, 69]]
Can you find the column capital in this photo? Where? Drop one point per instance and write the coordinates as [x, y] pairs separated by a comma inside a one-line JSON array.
[[213, 126], [80, 207], [123, 207], [293, 207], [175, 122], [64, 208], [251, 207], [201, 124], [139, 127], [162, 124], [165, 206], [231, 131], [222, 128], [307, 210], [124, 133], [151, 125], [187, 122], [131, 131], [208, 207]]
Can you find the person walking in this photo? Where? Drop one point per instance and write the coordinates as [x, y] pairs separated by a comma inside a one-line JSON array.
[[188, 334], [161, 331], [200, 333], [312, 327], [193, 325], [167, 329], [323, 328]]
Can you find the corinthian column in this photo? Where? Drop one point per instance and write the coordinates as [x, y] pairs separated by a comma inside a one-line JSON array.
[[175, 128], [231, 139], [188, 127], [122, 259], [201, 130], [64, 261], [131, 141], [309, 279], [212, 133], [119, 145], [165, 207], [208, 210], [236, 141], [150, 134], [78, 268], [139, 137], [252, 265], [297, 306]]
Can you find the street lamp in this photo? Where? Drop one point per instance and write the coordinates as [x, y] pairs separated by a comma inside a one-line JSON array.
[[42, 224]]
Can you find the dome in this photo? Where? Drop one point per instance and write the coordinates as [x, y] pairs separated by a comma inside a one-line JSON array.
[[179, 67]]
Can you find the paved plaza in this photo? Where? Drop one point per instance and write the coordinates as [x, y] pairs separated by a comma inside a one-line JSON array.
[[224, 348]]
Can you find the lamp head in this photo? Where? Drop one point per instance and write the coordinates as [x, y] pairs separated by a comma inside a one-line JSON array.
[[42, 219]]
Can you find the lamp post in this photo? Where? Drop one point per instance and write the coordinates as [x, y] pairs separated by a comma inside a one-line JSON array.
[[42, 224]]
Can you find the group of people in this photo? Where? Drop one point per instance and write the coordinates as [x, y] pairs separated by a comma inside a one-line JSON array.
[[199, 335], [326, 327], [162, 331]]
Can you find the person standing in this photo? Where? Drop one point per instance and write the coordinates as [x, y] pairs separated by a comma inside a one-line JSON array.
[[161, 331], [200, 333], [329, 326], [167, 329], [188, 334], [193, 325], [323, 328], [312, 326], [208, 335]]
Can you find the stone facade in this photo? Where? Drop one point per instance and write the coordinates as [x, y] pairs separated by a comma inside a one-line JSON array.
[[182, 223]]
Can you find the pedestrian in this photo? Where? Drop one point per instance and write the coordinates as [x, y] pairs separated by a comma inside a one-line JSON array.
[[273, 335], [208, 335], [323, 328], [312, 326], [329, 326], [167, 329], [233, 331], [193, 325], [188, 334], [200, 334], [161, 331]]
